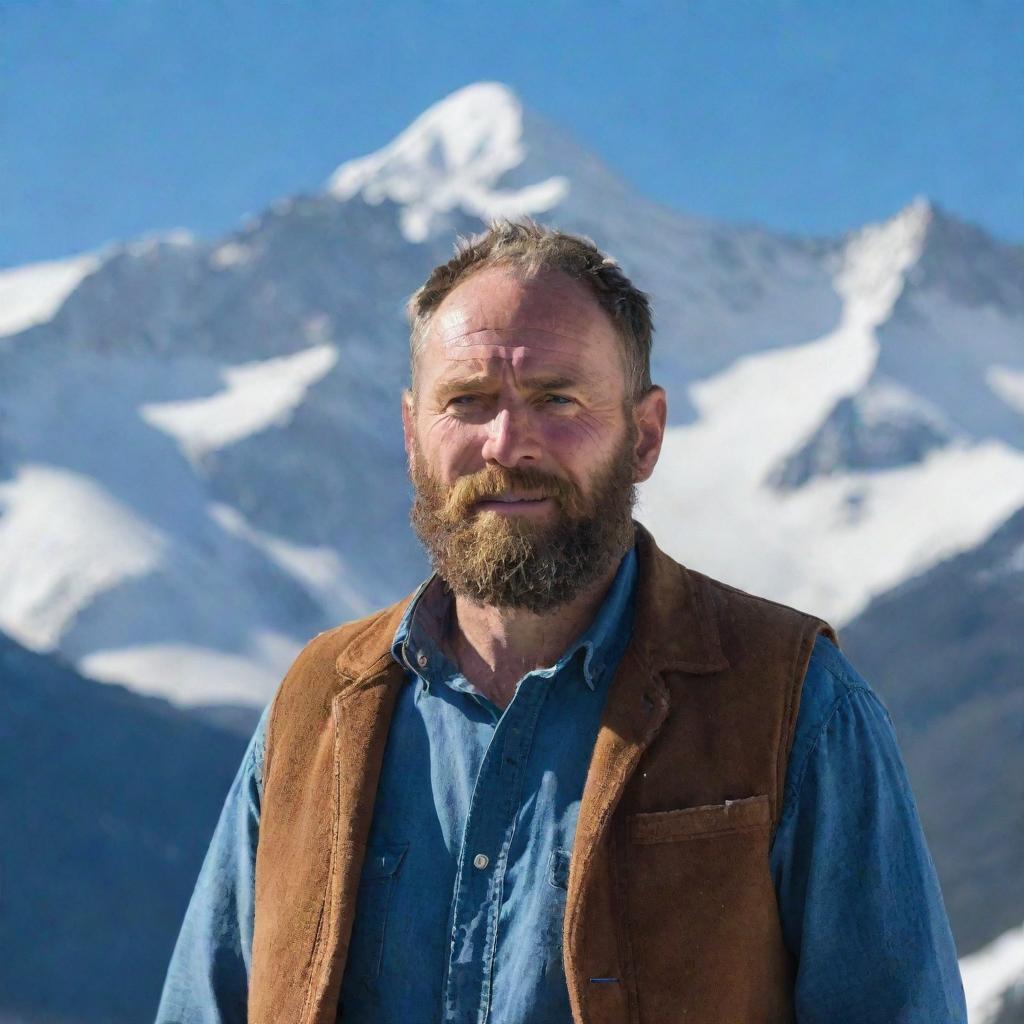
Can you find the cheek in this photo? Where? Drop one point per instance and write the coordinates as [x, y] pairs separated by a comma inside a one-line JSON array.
[[444, 432], [578, 434], [450, 445]]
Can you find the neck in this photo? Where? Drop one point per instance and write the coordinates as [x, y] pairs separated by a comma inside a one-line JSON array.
[[495, 647]]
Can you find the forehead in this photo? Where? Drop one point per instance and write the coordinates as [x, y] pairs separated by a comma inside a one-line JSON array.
[[495, 321]]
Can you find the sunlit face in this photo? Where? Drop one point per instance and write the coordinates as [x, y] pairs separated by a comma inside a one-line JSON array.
[[521, 424]]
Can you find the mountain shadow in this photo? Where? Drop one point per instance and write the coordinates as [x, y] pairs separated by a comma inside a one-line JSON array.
[[109, 802]]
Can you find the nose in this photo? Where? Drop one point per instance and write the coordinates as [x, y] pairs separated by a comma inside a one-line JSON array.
[[510, 439]]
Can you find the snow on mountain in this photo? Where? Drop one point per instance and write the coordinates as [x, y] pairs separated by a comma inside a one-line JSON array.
[[726, 290], [1007, 384], [948, 346], [881, 427], [189, 453], [991, 974], [257, 395], [90, 543], [196, 673], [31, 294], [858, 531], [227, 412], [453, 156]]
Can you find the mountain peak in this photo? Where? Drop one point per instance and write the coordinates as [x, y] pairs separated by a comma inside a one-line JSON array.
[[918, 213], [452, 157], [963, 260]]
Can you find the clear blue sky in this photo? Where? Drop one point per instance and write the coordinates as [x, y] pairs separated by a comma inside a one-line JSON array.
[[120, 118]]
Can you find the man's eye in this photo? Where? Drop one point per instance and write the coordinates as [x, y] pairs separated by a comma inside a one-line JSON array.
[[462, 400], [558, 400]]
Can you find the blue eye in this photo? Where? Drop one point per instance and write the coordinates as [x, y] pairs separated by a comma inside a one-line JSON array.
[[558, 400]]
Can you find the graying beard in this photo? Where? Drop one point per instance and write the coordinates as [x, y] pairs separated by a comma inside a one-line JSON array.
[[535, 577]]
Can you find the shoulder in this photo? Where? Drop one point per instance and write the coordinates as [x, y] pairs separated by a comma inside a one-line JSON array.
[[346, 651], [757, 629], [830, 681], [838, 704], [329, 643], [733, 604], [329, 662]]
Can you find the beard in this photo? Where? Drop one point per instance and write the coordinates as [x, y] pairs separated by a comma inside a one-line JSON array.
[[514, 561]]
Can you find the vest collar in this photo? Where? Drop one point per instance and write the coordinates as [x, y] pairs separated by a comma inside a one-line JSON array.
[[675, 627]]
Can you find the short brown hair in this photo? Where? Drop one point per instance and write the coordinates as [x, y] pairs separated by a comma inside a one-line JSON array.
[[530, 248]]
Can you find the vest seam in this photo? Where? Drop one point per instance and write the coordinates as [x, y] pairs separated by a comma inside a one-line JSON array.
[[784, 743], [732, 831]]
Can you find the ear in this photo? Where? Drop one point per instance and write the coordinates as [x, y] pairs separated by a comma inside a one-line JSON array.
[[650, 414], [408, 423]]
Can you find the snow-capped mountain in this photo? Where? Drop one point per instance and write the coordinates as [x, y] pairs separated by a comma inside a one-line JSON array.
[[200, 442]]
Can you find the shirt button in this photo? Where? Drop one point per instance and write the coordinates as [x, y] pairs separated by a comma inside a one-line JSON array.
[[421, 660], [481, 860]]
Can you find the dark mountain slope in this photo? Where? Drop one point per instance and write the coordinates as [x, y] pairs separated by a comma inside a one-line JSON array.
[[108, 803], [946, 652]]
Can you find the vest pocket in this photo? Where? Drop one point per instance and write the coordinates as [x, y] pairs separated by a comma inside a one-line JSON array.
[[380, 870], [749, 814], [701, 909]]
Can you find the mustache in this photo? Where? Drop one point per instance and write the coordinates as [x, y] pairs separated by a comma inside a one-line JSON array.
[[493, 481]]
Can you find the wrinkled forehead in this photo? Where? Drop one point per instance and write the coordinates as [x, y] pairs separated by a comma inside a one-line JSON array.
[[495, 322]]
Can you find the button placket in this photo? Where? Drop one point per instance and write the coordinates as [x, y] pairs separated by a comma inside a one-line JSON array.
[[480, 880]]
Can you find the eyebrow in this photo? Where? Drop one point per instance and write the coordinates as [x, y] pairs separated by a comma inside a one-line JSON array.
[[549, 383]]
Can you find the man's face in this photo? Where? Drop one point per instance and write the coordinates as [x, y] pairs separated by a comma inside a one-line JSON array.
[[523, 448]]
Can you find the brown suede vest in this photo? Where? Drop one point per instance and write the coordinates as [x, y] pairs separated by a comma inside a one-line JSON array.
[[669, 886]]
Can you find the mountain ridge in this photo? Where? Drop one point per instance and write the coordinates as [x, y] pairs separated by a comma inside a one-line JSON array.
[[191, 376]]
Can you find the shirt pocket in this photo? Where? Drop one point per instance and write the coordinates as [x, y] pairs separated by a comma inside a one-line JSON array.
[[380, 872]]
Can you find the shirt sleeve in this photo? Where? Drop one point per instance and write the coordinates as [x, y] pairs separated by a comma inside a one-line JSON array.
[[859, 898], [207, 979]]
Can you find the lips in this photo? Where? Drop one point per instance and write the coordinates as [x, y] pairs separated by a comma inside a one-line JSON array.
[[511, 502], [507, 498], [515, 499]]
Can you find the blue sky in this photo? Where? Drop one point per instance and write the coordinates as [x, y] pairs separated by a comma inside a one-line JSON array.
[[142, 115]]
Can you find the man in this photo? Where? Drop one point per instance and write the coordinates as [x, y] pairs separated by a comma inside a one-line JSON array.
[[568, 779]]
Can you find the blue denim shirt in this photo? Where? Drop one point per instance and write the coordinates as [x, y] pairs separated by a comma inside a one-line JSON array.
[[459, 913]]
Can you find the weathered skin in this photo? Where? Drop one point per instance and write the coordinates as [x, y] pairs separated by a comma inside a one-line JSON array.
[[524, 374]]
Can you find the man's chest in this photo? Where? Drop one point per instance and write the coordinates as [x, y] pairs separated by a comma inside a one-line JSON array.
[[462, 893]]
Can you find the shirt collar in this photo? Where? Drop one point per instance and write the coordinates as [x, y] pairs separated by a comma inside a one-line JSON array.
[[416, 643]]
